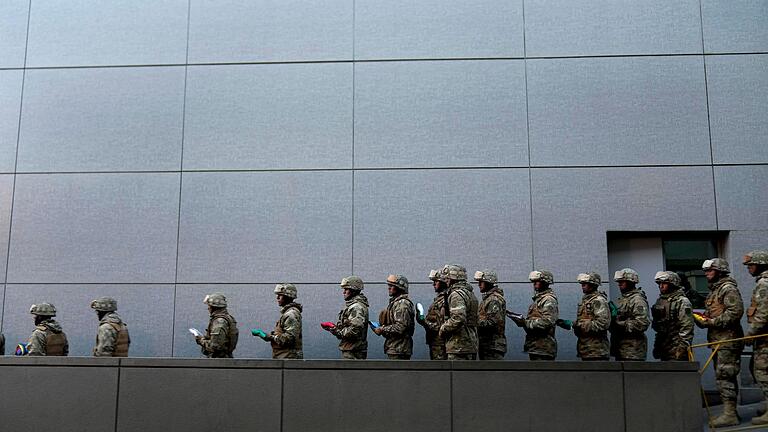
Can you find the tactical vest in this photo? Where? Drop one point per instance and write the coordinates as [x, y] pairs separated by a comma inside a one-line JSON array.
[[472, 306], [661, 310], [54, 343], [483, 316], [123, 339], [535, 312], [387, 316], [715, 306], [585, 311], [751, 310], [297, 343], [234, 333]]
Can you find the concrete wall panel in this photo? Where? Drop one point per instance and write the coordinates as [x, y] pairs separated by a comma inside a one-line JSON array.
[[681, 407], [13, 33], [735, 26], [241, 31], [10, 106], [94, 228], [440, 114], [120, 32], [618, 111], [742, 201], [6, 195], [434, 29], [265, 227], [738, 101], [269, 116], [106, 119]]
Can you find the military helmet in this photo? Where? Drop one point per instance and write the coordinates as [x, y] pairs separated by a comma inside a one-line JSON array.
[[454, 272], [43, 309], [398, 281], [487, 276], [626, 274], [352, 282], [668, 276], [718, 264], [591, 278], [759, 257], [541, 275], [286, 289], [434, 275], [217, 299], [104, 304]]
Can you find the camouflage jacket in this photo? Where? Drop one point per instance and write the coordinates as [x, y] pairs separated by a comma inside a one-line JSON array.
[[352, 326], [592, 322], [725, 308], [108, 340], [220, 339], [397, 324], [286, 338], [48, 334], [673, 323], [540, 324], [628, 340], [757, 313], [460, 329], [434, 319], [491, 322]]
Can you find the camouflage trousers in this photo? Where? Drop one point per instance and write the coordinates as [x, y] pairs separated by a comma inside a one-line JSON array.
[[399, 356], [727, 367], [538, 357], [354, 355], [760, 370], [437, 352], [463, 356], [491, 355]]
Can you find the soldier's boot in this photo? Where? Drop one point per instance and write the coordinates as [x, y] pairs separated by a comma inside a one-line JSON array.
[[729, 417], [761, 417], [761, 411]]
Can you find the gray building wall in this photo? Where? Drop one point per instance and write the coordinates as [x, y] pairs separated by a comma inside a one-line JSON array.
[[158, 151]]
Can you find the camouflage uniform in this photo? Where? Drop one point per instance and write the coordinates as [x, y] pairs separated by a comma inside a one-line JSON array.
[[112, 338], [628, 340], [2, 344], [724, 309], [539, 325], [352, 326], [221, 336], [397, 322], [672, 321], [757, 317], [432, 321], [47, 339], [492, 341], [286, 338], [592, 322], [460, 329]]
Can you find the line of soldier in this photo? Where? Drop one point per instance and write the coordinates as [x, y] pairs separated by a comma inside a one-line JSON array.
[[459, 327]]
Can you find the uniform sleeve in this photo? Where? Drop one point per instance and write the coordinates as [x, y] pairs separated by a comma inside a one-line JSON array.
[[403, 315], [734, 309], [638, 321], [549, 315], [458, 313], [601, 320], [494, 313], [217, 340], [759, 323], [685, 317], [106, 341], [291, 329], [357, 324], [36, 345]]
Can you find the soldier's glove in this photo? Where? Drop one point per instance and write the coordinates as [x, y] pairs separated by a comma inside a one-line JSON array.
[[701, 321], [420, 319], [327, 325], [198, 340], [260, 333], [520, 322]]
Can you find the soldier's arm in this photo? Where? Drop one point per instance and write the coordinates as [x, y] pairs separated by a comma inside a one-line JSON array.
[[685, 318], [403, 314], [106, 341], [458, 313], [291, 329], [36, 345], [638, 322], [602, 317], [432, 324], [549, 315], [494, 314], [734, 309], [66, 347], [218, 337], [358, 321], [759, 324]]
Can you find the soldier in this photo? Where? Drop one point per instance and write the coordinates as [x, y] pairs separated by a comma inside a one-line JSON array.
[[220, 339], [112, 338], [491, 319], [672, 319], [397, 320], [48, 339], [722, 320], [286, 338], [593, 320], [628, 341], [435, 318], [539, 325], [460, 329], [757, 317], [352, 327]]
